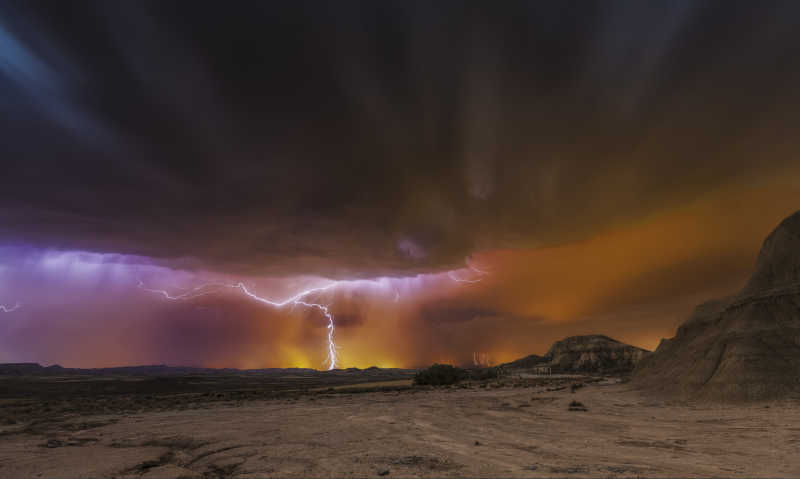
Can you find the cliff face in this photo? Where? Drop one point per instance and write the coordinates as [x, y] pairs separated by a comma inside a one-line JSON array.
[[744, 347], [593, 353], [778, 264]]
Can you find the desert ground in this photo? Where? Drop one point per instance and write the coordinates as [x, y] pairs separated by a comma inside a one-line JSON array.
[[520, 428]]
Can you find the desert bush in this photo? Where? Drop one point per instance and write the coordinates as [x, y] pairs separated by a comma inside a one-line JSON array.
[[483, 374], [439, 375]]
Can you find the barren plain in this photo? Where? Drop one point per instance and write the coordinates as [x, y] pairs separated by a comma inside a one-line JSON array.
[[519, 428]]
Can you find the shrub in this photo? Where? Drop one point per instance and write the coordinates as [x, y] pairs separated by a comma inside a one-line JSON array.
[[483, 374], [439, 375]]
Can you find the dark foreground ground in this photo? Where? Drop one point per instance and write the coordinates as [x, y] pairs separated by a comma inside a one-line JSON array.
[[47, 397], [372, 424]]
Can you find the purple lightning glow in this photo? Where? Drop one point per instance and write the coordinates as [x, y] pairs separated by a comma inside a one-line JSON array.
[[82, 274], [7, 309], [332, 360], [302, 298]]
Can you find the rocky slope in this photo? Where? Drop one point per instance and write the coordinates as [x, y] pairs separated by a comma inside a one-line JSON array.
[[744, 347], [527, 362]]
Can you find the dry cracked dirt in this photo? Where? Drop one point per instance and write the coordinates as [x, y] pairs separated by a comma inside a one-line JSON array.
[[446, 432]]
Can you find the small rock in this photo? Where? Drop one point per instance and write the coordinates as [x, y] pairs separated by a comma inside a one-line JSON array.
[[477, 443], [383, 472], [51, 443]]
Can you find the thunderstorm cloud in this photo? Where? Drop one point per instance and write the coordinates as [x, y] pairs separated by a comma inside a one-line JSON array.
[[608, 164]]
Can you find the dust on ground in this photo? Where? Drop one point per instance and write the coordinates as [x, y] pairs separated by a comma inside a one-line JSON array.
[[521, 429]]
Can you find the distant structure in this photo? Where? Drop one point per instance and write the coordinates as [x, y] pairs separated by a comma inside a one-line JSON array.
[[543, 370]]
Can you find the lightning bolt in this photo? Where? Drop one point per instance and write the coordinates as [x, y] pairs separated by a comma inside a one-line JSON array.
[[209, 288], [455, 278], [333, 358], [192, 293], [475, 269], [300, 299], [7, 309], [475, 279]]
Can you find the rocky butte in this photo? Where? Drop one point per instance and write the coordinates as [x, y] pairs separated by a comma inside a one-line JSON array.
[[740, 348], [592, 353]]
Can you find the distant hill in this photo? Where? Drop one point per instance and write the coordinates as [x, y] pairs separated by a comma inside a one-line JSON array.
[[22, 369], [591, 353], [743, 347], [527, 362], [35, 369]]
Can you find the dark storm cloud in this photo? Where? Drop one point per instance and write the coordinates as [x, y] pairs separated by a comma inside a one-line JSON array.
[[366, 138]]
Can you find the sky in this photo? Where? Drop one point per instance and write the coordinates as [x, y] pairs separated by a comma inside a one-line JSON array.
[[448, 179]]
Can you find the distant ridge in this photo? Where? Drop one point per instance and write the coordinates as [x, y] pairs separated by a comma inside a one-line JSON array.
[[529, 361], [35, 369]]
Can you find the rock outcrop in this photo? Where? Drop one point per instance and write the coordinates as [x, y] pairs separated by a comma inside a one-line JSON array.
[[588, 354], [743, 347], [593, 353]]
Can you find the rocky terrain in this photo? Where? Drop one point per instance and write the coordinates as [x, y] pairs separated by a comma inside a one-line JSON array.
[[744, 347], [374, 423], [586, 354]]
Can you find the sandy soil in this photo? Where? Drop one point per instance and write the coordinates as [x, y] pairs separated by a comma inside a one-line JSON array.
[[509, 432]]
